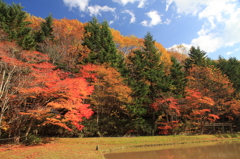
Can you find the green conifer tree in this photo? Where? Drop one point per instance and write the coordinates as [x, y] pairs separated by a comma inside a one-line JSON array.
[[231, 68], [148, 81], [92, 40], [178, 78], [46, 30], [99, 40], [197, 57], [13, 22]]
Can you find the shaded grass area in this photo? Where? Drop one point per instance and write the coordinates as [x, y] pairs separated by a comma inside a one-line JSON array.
[[62, 148]]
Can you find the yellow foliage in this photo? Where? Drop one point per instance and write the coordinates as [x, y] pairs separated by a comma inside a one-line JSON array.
[[110, 91], [165, 56], [35, 21], [4, 125]]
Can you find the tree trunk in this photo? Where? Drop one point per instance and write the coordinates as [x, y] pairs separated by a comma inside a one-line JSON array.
[[154, 123], [29, 126], [16, 138], [1, 116]]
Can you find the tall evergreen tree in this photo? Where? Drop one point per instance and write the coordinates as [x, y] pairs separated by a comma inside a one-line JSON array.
[[178, 78], [93, 41], [231, 68], [148, 81], [13, 22], [154, 71], [99, 40], [46, 30], [197, 57]]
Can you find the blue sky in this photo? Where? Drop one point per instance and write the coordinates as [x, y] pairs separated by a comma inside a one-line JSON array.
[[214, 25]]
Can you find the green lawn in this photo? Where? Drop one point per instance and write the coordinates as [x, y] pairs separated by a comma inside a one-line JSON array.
[[63, 148]]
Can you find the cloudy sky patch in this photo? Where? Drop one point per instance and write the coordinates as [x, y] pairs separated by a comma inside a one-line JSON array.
[[133, 18], [81, 4], [221, 21], [141, 3], [213, 25], [96, 10], [155, 19]]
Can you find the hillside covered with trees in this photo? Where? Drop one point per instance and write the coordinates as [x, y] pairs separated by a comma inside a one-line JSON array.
[[61, 77]]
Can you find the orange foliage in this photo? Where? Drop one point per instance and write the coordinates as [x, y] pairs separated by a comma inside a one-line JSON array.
[[171, 110], [110, 91], [210, 82], [50, 95], [68, 30], [197, 107], [233, 108], [68, 35], [215, 88], [67, 47], [179, 56], [166, 128], [213, 117], [196, 99], [170, 103], [126, 44], [67, 92]]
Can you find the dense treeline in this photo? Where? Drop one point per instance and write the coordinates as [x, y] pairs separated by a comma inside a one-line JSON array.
[[66, 78]]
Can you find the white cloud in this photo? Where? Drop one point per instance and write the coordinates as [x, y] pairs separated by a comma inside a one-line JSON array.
[[81, 4], [133, 18], [231, 52], [221, 21], [111, 22], [82, 15], [96, 10], [209, 42], [236, 49], [186, 6], [141, 3], [168, 4], [116, 17], [168, 21], [144, 23], [182, 48], [178, 16], [155, 19]]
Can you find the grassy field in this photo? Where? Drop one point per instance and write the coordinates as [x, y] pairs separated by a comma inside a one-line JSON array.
[[85, 148]]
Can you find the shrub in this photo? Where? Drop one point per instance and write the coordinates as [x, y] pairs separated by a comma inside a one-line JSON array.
[[32, 140]]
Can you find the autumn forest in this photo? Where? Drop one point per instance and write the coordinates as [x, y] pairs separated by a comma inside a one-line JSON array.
[[61, 77]]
